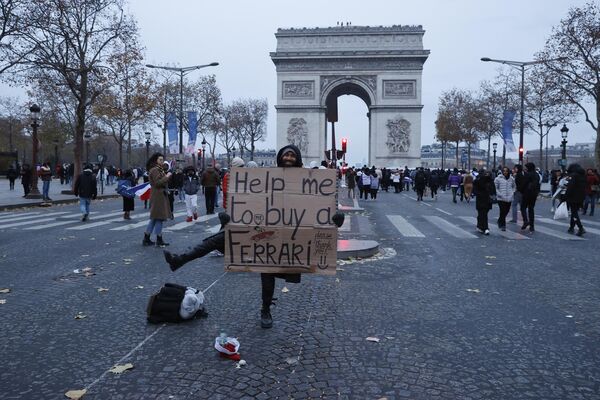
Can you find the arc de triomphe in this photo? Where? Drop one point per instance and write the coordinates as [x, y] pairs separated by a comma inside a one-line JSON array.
[[381, 65]]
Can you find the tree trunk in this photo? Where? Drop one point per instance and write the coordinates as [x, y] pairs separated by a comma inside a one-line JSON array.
[[597, 147], [120, 154], [541, 147], [487, 165], [469, 155], [252, 148], [457, 143]]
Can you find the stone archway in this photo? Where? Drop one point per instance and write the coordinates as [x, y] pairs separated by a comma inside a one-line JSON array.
[[381, 65]]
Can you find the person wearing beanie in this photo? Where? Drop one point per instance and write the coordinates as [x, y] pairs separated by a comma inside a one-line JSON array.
[[288, 157], [237, 162], [85, 188], [530, 188], [190, 188]]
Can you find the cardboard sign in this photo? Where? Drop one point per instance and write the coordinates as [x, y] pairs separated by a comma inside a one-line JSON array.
[[281, 220]]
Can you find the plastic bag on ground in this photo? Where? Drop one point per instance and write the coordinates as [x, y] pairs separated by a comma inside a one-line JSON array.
[[228, 347]]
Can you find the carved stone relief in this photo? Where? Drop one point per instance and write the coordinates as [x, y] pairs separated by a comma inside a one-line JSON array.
[[399, 89], [355, 65], [369, 80], [298, 89], [297, 134], [398, 136]]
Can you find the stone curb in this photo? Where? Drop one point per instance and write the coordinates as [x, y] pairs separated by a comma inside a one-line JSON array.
[[4, 207], [348, 248]]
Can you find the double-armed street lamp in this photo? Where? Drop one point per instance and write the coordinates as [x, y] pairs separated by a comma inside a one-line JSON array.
[[563, 132], [34, 193], [182, 72], [495, 147], [148, 137], [521, 65]]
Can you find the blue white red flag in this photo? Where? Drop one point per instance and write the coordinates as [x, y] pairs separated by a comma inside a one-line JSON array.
[[142, 191], [507, 122]]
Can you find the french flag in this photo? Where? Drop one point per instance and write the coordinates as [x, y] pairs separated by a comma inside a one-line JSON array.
[[142, 191]]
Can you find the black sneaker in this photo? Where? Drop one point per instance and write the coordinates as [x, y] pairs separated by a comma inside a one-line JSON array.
[[266, 321], [571, 230], [580, 232]]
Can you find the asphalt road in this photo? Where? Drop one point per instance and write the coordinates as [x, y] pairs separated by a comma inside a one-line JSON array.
[[458, 315]]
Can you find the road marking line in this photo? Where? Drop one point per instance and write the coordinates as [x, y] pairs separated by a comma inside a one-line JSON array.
[[14, 219], [560, 235], [186, 224], [507, 234], [564, 225], [138, 224], [37, 221], [445, 212], [449, 228], [214, 229], [404, 227]]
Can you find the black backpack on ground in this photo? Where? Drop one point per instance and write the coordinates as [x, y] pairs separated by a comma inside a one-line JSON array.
[[164, 305]]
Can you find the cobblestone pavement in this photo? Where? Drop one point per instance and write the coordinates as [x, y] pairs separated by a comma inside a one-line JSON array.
[[456, 317]]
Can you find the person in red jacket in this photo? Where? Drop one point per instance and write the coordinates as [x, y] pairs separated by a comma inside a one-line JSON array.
[[236, 162], [592, 189]]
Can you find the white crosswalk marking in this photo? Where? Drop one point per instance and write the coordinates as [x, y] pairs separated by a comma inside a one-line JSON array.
[[37, 221], [565, 225], [587, 222], [59, 223], [105, 222], [143, 223], [30, 216], [494, 229], [404, 227], [448, 227], [185, 224], [214, 229], [560, 235]]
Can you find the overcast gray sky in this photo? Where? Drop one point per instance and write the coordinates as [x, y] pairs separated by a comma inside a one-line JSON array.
[[239, 35]]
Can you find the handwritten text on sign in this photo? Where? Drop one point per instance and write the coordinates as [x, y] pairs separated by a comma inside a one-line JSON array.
[[281, 220]]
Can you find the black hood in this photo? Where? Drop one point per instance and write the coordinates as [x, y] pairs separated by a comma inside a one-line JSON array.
[[287, 148]]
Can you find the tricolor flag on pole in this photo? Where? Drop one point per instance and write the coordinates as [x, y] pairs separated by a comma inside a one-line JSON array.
[[193, 129], [142, 191], [507, 122]]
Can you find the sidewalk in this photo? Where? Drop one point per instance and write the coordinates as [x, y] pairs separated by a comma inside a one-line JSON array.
[[14, 198]]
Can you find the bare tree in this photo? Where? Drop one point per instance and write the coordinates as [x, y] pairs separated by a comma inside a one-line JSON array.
[[228, 126], [13, 21], [127, 103], [73, 40], [576, 40], [545, 107], [254, 122]]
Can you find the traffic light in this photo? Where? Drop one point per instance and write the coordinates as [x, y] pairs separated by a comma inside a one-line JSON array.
[[520, 150], [344, 144], [199, 153]]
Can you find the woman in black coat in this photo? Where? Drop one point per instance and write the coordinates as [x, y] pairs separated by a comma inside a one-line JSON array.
[[575, 195], [484, 189]]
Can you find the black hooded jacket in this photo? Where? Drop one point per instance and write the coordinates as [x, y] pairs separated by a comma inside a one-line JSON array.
[[284, 150], [575, 193]]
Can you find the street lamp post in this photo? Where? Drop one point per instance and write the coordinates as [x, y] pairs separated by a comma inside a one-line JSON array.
[[203, 154], [233, 151], [55, 142], [495, 147], [182, 72], [34, 193], [87, 138], [521, 66], [148, 136], [564, 131]]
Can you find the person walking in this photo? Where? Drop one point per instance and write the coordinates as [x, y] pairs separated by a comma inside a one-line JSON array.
[[11, 174], [484, 190], [160, 209], [530, 189], [575, 195], [190, 188], [26, 179], [210, 181], [592, 188], [420, 183], [351, 183], [468, 186], [454, 182], [86, 189], [125, 182], [374, 186], [505, 189], [518, 195], [46, 175], [434, 183]]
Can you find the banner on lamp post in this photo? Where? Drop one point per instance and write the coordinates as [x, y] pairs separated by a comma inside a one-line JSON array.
[[507, 122], [172, 131], [193, 132]]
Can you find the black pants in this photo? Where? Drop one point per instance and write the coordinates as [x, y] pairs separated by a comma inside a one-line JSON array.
[[396, 187], [420, 191], [26, 188], [575, 220], [527, 210], [11, 184], [504, 209], [209, 198], [482, 218], [434, 190], [374, 193], [454, 190]]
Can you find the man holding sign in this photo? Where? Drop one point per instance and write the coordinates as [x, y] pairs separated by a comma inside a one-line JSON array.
[[280, 224]]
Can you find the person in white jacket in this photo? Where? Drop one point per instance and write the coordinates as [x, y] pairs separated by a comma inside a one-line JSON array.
[[505, 190]]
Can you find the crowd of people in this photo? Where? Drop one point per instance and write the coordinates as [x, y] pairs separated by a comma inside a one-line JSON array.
[[517, 188]]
